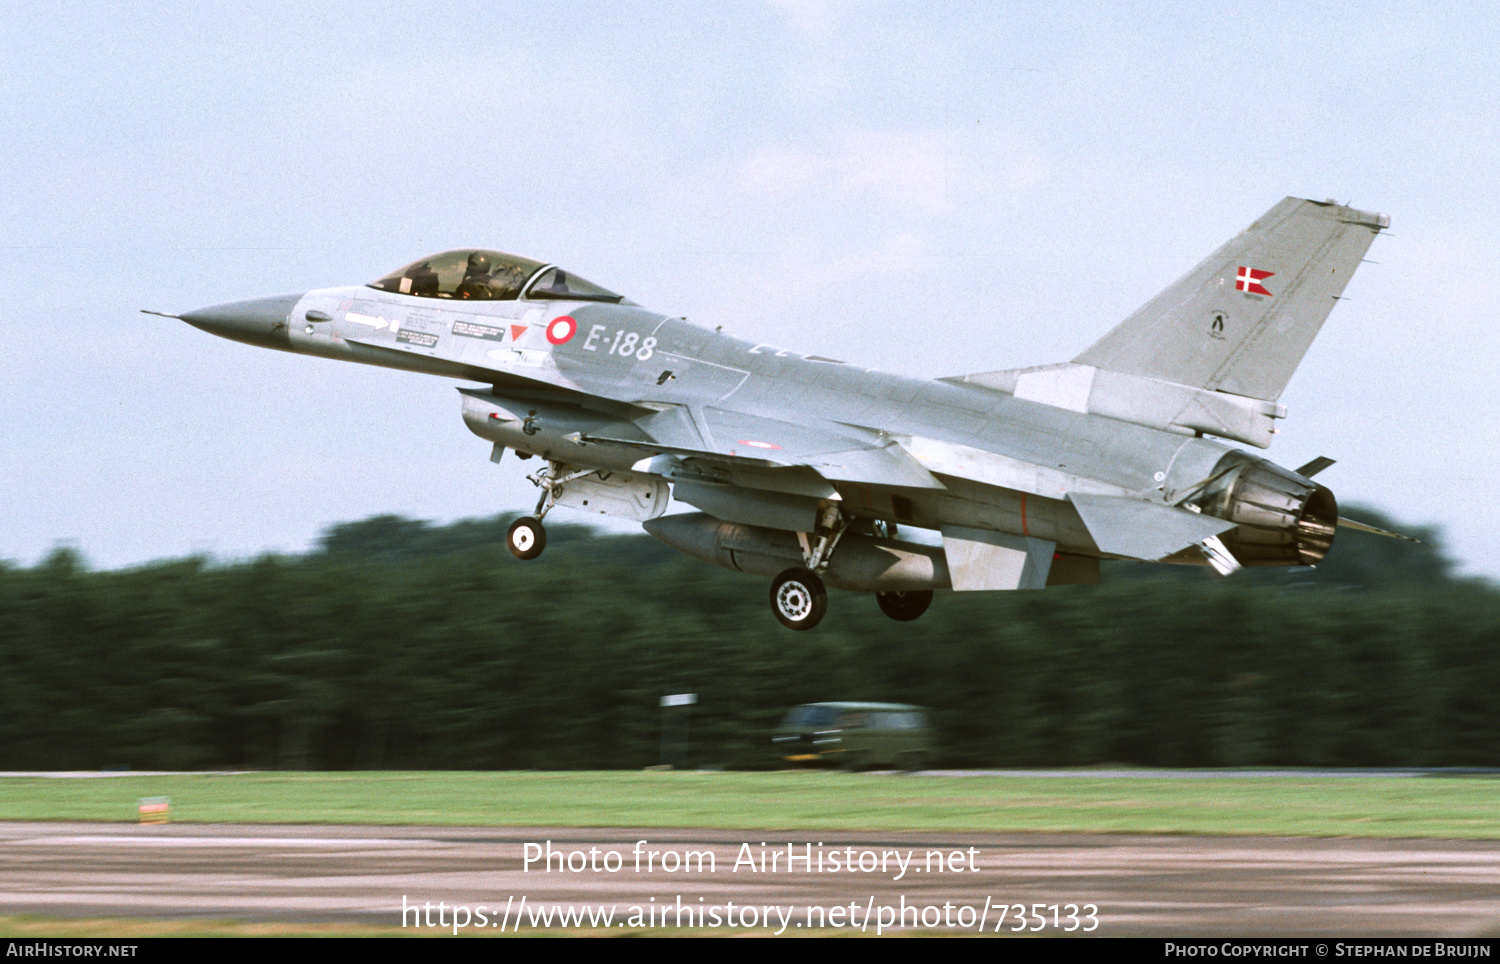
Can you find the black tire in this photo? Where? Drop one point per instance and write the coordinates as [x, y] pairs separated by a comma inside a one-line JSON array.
[[904, 606], [798, 599], [526, 538]]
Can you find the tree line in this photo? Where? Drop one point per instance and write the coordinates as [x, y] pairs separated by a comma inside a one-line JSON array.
[[398, 644]]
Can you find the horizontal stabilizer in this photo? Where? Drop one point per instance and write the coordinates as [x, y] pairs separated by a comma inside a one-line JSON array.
[[1137, 529]]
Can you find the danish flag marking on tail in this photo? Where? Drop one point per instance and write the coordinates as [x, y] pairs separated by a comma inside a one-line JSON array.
[[1249, 279]]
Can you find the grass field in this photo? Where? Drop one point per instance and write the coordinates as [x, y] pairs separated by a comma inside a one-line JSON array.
[[1440, 807]]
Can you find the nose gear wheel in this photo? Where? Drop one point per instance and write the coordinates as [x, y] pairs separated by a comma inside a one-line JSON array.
[[526, 538]]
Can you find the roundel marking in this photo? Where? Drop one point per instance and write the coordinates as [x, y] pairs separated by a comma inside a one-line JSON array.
[[561, 328]]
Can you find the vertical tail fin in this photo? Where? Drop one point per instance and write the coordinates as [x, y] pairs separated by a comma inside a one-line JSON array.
[[1241, 321]]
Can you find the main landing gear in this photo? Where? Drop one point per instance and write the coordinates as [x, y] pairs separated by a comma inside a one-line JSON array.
[[904, 606], [798, 597]]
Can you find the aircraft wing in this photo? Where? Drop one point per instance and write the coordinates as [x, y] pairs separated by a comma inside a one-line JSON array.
[[838, 453]]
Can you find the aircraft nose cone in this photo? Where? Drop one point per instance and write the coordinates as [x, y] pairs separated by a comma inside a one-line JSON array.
[[259, 321]]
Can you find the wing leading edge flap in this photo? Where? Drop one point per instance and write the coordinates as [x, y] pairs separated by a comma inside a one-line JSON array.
[[844, 455], [875, 465], [1136, 529], [839, 453]]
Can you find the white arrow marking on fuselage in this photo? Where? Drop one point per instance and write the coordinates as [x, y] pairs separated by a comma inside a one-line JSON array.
[[371, 320]]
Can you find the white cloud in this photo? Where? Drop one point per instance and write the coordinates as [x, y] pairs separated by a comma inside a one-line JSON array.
[[915, 172]]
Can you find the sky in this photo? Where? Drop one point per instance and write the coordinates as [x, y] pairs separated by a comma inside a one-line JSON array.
[[929, 189]]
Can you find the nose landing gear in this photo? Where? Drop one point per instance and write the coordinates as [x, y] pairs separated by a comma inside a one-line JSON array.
[[526, 538]]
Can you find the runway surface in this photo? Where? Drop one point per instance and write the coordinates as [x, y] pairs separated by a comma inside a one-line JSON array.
[[1042, 883]]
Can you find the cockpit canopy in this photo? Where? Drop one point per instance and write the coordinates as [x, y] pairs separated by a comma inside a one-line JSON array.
[[477, 275]]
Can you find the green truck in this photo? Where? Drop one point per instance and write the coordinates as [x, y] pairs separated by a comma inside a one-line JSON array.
[[855, 736]]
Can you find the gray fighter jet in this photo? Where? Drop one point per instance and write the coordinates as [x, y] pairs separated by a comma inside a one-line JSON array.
[[807, 470]]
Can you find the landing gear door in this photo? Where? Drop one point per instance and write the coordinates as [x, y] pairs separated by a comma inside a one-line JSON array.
[[620, 494]]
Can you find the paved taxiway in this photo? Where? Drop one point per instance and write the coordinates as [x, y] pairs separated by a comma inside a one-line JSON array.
[[1141, 885]]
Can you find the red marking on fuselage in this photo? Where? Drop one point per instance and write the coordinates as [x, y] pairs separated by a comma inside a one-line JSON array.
[[1024, 530], [516, 331], [560, 329]]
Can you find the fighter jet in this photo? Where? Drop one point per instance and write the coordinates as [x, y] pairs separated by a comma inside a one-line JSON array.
[[810, 471]]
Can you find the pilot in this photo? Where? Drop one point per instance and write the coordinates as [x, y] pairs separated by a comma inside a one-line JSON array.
[[476, 283], [507, 280]]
